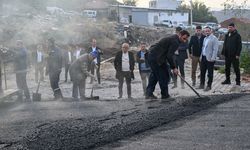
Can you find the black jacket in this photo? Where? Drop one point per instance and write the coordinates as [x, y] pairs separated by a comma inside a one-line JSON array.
[[232, 45], [182, 49], [54, 61], [20, 59], [164, 50], [99, 54], [118, 62], [195, 45]]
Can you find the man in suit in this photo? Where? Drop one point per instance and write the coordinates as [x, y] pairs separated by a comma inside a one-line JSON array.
[[79, 72], [20, 65], [124, 65], [208, 57], [38, 57], [68, 59], [143, 65], [159, 54], [54, 68], [195, 48], [180, 56], [96, 64], [231, 50]]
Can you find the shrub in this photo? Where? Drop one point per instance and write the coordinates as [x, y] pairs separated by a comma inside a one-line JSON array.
[[245, 61]]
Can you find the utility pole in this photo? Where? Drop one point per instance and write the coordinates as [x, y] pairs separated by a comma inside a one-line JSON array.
[[118, 12], [191, 15]]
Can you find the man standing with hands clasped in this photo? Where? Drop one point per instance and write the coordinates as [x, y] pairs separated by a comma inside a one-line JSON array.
[[231, 50], [159, 54], [208, 57]]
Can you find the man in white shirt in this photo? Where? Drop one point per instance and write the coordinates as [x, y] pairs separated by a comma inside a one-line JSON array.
[[124, 65], [208, 57], [68, 60], [39, 63]]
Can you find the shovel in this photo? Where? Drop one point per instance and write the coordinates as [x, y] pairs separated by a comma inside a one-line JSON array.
[[37, 96], [189, 86]]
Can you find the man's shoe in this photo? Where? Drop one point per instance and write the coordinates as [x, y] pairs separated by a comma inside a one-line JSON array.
[[201, 87], [165, 97], [130, 98], [238, 83], [119, 97], [208, 88], [193, 84], [151, 97], [226, 82]]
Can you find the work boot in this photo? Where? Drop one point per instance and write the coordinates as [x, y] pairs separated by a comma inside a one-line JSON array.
[[238, 83], [226, 82]]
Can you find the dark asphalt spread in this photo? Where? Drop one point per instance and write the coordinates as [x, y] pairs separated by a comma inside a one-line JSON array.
[[88, 131]]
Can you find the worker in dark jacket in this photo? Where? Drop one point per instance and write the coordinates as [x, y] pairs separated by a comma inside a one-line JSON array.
[[231, 50], [78, 73], [124, 65], [20, 63], [54, 67], [143, 65], [159, 54], [195, 49], [180, 56], [96, 64]]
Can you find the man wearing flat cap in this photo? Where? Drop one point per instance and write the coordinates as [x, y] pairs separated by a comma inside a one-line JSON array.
[[231, 50], [79, 70]]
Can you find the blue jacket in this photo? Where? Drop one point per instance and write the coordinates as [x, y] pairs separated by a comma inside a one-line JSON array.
[[138, 57]]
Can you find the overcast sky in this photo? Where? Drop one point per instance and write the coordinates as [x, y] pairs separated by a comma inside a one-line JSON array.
[[213, 4]]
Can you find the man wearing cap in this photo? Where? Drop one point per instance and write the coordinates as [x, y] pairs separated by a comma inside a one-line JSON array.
[[231, 50], [195, 48], [159, 54], [79, 71], [54, 68]]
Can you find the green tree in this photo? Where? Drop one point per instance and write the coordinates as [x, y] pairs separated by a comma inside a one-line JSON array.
[[237, 8], [201, 12], [130, 2]]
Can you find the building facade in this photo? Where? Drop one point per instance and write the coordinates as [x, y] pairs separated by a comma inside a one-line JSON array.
[[165, 4]]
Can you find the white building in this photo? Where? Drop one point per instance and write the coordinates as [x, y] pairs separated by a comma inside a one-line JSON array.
[[165, 4]]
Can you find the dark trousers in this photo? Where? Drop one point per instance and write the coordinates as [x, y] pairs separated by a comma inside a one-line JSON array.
[[180, 65], [97, 68], [22, 85], [54, 78], [79, 87], [236, 66], [127, 76], [158, 74], [206, 66], [39, 69], [66, 71]]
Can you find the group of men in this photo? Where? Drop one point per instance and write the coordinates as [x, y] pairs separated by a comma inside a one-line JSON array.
[[171, 52], [78, 64], [154, 64]]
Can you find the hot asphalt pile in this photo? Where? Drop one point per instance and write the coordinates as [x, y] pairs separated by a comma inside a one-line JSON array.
[[81, 132]]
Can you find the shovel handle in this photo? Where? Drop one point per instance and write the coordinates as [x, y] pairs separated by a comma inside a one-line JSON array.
[[37, 89], [189, 86]]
